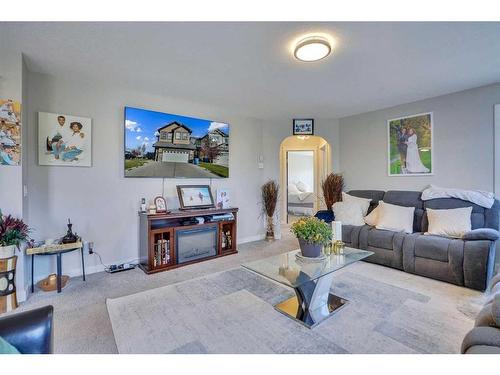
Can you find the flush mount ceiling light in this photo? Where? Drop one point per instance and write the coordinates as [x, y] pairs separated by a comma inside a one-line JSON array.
[[312, 48]]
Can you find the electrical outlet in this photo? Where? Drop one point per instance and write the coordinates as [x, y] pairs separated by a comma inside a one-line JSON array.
[[91, 247]]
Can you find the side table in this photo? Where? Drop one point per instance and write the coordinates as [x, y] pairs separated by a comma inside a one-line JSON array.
[[58, 251]]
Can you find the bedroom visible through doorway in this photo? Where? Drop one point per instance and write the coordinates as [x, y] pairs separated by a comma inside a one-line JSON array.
[[304, 163], [300, 184]]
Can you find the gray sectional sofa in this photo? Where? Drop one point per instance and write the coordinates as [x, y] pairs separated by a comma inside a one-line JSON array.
[[467, 262]]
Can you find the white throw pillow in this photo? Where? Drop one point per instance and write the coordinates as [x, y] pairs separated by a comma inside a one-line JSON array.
[[373, 217], [292, 189], [302, 187], [348, 213], [395, 218], [453, 222], [364, 203]]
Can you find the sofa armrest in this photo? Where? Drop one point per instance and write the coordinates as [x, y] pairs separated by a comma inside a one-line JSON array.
[[483, 336], [495, 310], [30, 331], [482, 234]]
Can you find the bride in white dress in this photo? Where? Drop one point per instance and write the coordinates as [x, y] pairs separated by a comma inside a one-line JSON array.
[[413, 162]]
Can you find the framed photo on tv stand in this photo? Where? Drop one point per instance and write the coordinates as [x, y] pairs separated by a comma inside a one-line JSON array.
[[195, 197]]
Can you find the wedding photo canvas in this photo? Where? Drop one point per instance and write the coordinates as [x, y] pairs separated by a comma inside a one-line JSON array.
[[410, 145], [64, 140]]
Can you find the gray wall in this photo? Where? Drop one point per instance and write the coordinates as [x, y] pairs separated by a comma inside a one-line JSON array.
[[463, 143], [102, 203]]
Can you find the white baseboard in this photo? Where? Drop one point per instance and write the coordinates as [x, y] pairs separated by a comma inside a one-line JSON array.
[[258, 237]]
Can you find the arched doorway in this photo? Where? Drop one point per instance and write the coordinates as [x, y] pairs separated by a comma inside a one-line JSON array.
[[304, 163]]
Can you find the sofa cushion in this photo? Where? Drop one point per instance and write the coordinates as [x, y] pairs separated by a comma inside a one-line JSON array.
[[478, 216], [395, 218], [350, 235], [348, 213], [432, 247], [364, 203], [408, 199], [454, 222], [381, 238]]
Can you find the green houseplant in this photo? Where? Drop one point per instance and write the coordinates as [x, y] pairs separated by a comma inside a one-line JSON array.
[[12, 233], [312, 234]]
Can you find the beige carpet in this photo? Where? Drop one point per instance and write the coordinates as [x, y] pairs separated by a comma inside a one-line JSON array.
[[232, 312]]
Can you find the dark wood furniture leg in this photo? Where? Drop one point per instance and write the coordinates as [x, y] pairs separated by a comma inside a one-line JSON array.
[[83, 265], [59, 272], [32, 273]]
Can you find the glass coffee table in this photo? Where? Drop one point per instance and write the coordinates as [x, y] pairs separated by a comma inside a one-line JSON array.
[[311, 281]]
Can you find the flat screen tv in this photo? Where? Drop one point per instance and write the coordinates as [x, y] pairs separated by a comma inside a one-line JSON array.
[[163, 145]]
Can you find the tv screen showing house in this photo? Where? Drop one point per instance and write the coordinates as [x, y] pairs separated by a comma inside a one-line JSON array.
[[171, 146]]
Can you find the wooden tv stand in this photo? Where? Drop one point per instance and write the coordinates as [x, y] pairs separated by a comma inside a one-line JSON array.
[[158, 236]]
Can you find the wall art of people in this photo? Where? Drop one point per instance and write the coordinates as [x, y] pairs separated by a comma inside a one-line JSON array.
[[64, 140]]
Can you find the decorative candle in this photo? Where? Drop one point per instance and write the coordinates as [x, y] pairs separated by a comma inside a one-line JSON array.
[[337, 230]]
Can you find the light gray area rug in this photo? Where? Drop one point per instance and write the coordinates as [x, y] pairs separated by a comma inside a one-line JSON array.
[[232, 312]]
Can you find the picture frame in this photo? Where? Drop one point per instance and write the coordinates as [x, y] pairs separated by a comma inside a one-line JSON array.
[[160, 204], [64, 140], [223, 198], [303, 126], [195, 197], [410, 145]]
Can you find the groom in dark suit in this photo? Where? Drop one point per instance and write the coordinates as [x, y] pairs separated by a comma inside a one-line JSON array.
[[402, 146]]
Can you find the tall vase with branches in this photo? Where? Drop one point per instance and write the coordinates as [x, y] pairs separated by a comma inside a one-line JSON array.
[[332, 187], [269, 193]]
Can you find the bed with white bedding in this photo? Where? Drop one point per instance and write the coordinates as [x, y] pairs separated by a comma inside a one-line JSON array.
[[300, 200]]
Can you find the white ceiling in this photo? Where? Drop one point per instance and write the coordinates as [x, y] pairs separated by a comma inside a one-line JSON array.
[[248, 67]]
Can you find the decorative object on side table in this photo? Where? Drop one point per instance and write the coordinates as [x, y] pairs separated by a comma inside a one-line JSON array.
[[195, 196], [332, 187], [160, 204], [70, 237], [222, 200], [312, 234], [269, 192]]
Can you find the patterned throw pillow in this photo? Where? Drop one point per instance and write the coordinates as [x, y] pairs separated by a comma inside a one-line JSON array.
[[348, 213]]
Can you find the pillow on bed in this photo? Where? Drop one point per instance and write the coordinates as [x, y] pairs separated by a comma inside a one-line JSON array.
[[302, 187], [292, 189], [363, 203], [348, 213]]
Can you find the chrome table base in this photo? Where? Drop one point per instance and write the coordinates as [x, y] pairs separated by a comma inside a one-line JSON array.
[[313, 302]]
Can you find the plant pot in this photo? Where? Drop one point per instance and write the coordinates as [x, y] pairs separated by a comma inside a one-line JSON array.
[[310, 250], [325, 215], [7, 251]]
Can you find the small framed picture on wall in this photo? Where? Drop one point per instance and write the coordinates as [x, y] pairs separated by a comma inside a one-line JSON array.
[[303, 126]]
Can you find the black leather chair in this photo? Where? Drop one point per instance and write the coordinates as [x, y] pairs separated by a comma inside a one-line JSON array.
[[30, 331]]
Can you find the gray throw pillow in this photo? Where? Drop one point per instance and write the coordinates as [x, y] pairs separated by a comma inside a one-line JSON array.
[[482, 234]]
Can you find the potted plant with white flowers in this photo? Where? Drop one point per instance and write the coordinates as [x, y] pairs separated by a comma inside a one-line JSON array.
[[12, 233], [312, 234]]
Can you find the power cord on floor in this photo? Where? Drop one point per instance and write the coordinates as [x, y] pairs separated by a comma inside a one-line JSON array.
[[115, 268]]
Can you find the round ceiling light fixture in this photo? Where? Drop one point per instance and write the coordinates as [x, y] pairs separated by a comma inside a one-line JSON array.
[[312, 48]]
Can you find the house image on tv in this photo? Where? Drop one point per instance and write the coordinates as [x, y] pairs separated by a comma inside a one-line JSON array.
[[174, 143], [217, 139]]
